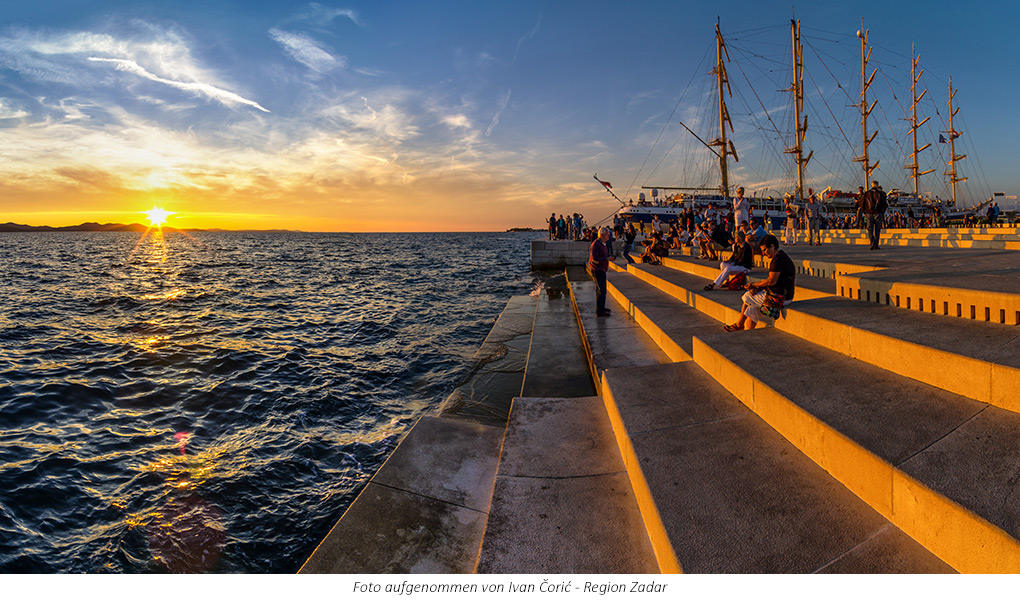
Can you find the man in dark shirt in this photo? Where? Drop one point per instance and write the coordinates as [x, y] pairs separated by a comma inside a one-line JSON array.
[[782, 281], [598, 264], [721, 240], [874, 204]]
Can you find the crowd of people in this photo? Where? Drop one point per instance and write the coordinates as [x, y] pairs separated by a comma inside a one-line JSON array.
[[741, 234], [572, 227]]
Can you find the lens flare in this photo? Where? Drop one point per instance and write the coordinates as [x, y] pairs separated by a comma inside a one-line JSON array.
[[157, 216]]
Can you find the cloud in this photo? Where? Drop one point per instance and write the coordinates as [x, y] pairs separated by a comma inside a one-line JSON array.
[[387, 122], [95, 178], [504, 101], [307, 51], [144, 50], [457, 121], [224, 96], [534, 31], [324, 15], [9, 112], [369, 72]]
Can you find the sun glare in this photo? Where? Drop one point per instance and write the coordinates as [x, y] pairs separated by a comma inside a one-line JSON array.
[[157, 216]]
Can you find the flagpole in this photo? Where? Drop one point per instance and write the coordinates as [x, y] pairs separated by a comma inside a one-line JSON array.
[[604, 185]]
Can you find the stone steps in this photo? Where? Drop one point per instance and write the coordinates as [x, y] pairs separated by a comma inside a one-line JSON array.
[[719, 490], [976, 359], [732, 495], [995, 238], [920, 455], [940, 466]]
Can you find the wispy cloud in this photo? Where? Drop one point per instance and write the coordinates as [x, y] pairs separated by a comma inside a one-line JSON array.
[[503, 103], [389, 121], [224, 96], [534, 31], [325, 15], [457, 121], [157, 54], [9, 112], [307, 51]]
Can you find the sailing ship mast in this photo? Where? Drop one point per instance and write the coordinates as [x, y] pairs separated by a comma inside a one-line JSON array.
[[865, 109], [914, 124], [725, 146], [798, 108], [952, 145]]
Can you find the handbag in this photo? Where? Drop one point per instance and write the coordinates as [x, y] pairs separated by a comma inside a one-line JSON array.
[[772, 307], [736, 281]]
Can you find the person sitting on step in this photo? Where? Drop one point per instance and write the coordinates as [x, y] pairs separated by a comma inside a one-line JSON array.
[[740, 262], [655, 249], [721, 239], [780, 284]]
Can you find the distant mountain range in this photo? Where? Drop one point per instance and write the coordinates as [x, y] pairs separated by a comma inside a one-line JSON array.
[[96, 227]]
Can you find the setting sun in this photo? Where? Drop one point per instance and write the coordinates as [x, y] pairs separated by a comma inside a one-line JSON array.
[[157, 216]]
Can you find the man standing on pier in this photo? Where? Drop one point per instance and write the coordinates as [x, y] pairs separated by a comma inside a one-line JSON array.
[[741, 211], [598, 265], [874, 204]]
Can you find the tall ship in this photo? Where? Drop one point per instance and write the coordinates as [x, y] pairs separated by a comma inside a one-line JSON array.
[[783, 148]]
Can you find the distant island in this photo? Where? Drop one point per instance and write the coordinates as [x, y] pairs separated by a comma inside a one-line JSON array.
[[97, 227], [525, 230]]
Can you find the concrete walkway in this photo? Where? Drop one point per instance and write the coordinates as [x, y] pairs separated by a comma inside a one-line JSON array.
[[562, 501]]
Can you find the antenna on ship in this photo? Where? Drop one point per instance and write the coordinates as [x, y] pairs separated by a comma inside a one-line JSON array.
[[798, 108], [725, 146], [915, 75], [865, 109], [953, 135]]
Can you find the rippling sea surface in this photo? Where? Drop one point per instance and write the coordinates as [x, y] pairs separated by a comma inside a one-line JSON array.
[[215, 401]]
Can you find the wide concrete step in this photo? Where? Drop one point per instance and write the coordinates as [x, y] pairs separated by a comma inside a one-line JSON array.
[[940, 466], [986, 292], [809, 286], [562, 501], [720, 304], [614, 341], [995, 238], [732, 495], [696, 513], [670, 324], [976, 359], [980, 360]]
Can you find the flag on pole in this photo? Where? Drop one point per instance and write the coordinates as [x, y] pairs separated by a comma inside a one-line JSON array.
[[956, 134], [606, 184], [942, 139]]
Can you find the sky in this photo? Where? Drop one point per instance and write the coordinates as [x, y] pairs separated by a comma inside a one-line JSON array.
[[456, 116]]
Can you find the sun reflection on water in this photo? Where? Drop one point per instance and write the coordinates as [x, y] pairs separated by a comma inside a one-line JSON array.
[[187, 533]]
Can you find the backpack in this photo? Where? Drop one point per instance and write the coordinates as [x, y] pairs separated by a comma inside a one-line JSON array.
[[736, 281]]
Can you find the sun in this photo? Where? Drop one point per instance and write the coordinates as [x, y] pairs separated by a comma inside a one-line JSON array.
[[157, 216]]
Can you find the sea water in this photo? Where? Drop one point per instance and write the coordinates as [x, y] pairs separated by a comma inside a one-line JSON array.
[[213, 401]]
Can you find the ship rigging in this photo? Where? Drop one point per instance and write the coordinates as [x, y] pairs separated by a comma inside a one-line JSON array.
[[769, 178]]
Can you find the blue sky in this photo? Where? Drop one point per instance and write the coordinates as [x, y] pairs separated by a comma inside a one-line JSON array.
[[386, 115]]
